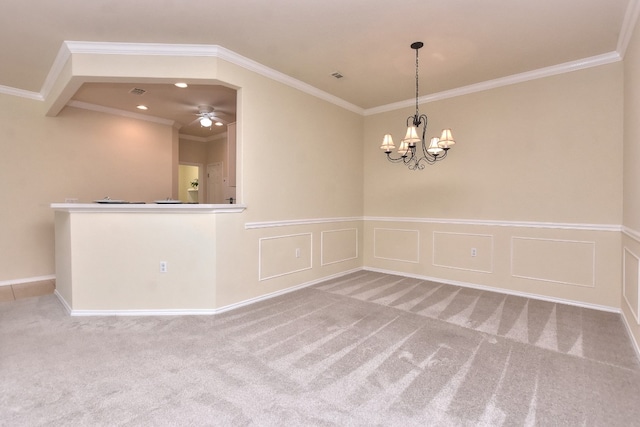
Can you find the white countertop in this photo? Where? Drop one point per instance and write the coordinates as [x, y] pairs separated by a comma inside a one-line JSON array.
[[148, 207]]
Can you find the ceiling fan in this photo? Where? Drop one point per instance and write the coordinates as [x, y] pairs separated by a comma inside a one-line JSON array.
[[208, 117]]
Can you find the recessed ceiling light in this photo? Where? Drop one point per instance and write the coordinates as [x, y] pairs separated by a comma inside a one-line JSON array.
[[181, 84], [142, 107], [218, 124]]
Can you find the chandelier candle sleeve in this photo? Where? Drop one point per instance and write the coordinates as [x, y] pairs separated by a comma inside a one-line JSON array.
[[414, 140]]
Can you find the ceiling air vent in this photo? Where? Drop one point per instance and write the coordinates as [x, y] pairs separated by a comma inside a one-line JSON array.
[[137, 91], [337, 75]]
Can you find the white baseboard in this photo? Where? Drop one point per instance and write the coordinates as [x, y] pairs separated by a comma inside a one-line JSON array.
[[195, 312], [632, 337], [27, 280], [499, 290], [64, 302], [283, 291], [188, 312]]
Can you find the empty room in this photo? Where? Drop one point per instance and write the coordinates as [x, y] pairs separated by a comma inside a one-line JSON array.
[[320, 213]]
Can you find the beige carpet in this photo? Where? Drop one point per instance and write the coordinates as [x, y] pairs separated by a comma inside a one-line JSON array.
[[366, 349]]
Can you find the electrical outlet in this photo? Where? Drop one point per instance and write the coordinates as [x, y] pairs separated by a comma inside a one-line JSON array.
[[163, 266], [474, 252], [297, 252]]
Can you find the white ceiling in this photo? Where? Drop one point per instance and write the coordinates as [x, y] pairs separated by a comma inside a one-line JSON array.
[[367, 41]]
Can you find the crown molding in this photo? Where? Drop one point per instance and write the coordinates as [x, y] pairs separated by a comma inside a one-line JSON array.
[[628, 25], [105, 48], [220, 136], [21, 93], [566, 67], [117, 112], [69, 48]]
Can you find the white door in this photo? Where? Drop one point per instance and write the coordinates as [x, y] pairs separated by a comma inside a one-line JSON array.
[[215, 184]]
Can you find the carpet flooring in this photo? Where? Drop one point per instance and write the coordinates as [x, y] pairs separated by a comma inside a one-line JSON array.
[[367, 349]]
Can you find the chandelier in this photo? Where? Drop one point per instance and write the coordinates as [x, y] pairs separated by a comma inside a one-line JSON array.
[[409, 152]]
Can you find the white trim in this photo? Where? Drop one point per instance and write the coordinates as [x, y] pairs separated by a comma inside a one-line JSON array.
[[283, 291], [260, 278], [634, 311], [54, 72], [293, 222], [215, 137], [628, 25], [7, 90], [322, 263], [553, 70], [375, 241], [433, 255], [540, 279], [186, 208], [109, 48], [199, 312], [635, 235], [118, 112], [106, 48], [27, 280], [178, 312], [635, 344], [498, 290], [64, 303], [496, 223]]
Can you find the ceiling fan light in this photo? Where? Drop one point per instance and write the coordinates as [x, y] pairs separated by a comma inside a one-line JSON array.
[[205, 122]]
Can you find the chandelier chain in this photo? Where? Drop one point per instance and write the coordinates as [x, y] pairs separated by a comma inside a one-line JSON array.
[[417, 80]]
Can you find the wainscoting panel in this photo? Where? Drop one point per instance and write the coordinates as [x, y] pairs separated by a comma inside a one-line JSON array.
[[338, 246], [281, 255], [462, 251], [565, 262], [631, 269], [396, 244]]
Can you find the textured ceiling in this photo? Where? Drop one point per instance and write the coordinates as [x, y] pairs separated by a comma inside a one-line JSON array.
[[367, 41]]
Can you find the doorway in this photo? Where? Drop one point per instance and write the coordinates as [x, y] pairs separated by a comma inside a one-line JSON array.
[[215, 183], [189, 180]]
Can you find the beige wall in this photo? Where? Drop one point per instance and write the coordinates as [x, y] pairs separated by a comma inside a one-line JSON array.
[[78, 154], [545, 150], [528, 186], [529, 175], [631, 212], [300, 163], [287, 141]]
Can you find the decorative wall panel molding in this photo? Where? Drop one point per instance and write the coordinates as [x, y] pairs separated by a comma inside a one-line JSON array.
[[463, 251], [286, 254], [338, 246], [631, 282], [396, 244], [566, 262]]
